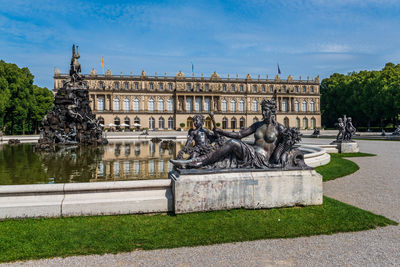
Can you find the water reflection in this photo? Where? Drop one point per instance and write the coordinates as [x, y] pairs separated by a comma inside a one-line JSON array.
[[20, 165]]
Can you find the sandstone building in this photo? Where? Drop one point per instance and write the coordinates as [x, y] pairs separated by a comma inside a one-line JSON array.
[[168, 103]]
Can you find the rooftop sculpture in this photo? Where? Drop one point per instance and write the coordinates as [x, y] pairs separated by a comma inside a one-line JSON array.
[[273, 146], [71, 121]]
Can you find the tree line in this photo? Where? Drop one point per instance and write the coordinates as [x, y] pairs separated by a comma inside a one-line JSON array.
[[371, 98], [22, 104]]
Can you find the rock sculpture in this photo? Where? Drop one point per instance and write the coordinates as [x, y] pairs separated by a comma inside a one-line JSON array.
[[273, 146], [71, 121]]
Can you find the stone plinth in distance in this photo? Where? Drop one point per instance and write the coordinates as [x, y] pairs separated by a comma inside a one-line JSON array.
[[245, 189], [347, 147]]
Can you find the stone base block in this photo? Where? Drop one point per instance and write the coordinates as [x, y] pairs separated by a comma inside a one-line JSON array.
[[250, 190], [350, 147]]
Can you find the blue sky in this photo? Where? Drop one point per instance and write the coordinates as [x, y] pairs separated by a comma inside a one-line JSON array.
[[307, 38]]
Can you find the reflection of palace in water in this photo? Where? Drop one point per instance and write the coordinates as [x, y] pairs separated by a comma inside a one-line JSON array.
[[135, 160]]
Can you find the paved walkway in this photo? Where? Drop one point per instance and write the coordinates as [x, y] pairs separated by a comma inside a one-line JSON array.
[[375, 187]]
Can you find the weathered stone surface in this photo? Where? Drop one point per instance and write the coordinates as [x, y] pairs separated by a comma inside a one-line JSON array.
[[251, 190], [348, 147]]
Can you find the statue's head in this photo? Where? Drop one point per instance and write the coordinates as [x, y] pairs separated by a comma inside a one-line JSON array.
[[198, 120], [268, 108], [349, 119], [340, 120]]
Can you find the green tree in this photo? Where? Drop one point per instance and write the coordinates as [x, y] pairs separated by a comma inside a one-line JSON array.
[[21, 102]]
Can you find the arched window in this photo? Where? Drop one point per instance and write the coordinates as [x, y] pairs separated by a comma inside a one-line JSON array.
[[224, 123], [170, 123], [189, 122], [127, 121], [312, 106], [100, 103], [224, 106], [170, 104], [255, 105], [161, 123], [136, 122], [189, 104], [126, 104], [298, 123], [296, 106], [117, 121], [284, 106], [197, 104], [116, 104], [242, 123], [304, 106], [152, 123], [255, 120], [207, 104], [160, 104], [241, 105], [233, 123], [312, 123], [305, 123], [136, 104], [233, 106], [286, 122], [151, 104]]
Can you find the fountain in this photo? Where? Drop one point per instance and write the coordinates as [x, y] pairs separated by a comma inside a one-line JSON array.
[[71, 121]]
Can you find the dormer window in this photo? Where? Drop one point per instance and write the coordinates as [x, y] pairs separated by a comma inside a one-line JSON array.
[[151, 86], [116, 85]]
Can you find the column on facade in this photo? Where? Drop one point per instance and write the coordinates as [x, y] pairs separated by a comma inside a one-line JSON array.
[[184, 103], [202, 103], [212, 103], [95, 107]]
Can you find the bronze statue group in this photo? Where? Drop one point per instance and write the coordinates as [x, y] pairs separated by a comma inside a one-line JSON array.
[[273, 146]]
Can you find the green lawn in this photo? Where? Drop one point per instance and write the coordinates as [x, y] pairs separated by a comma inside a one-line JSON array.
[[42, 238], [339, 167]]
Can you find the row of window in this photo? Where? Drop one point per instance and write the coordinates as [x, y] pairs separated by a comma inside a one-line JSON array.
[[233, 87], [133, 169], [136, 104], [136, 122], [198, 105]]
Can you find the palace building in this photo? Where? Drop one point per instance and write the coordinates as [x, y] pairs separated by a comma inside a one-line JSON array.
[[169, 103]]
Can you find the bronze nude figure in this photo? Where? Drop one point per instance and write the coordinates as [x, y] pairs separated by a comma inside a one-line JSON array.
[[272, 147]]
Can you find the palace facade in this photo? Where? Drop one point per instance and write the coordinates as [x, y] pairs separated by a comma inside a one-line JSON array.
[[168, 103]]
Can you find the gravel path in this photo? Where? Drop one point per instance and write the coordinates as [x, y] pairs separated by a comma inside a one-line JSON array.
[[375, 187]]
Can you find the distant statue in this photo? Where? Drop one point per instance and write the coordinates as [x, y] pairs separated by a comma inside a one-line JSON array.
[[397, 131], [346, 129], [316, 132], [272, 148], [75, 68]]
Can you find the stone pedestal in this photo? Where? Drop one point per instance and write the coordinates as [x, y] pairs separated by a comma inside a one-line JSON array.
[[347, 147], [245, 189]]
